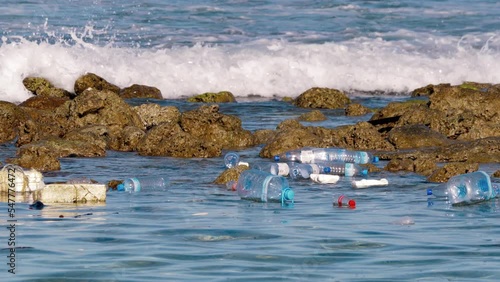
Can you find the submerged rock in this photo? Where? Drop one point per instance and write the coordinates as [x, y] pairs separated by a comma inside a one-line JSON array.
[[315, 115], [323, 98], [451, 169], [211, 97], [140, 91]]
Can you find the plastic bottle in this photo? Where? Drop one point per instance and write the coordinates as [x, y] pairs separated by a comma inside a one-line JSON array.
[[263, 186], [313, 155], [137, 184], [344, 169], [466, 188], [274, 168], [231, 159], [303, 171], [343, 201]]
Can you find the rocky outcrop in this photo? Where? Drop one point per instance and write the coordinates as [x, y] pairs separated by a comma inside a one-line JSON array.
[[211, 97], [95, 82], [140, 91], [11, 117], [42, 87], [356, 109], [314, 115], [322, 98]]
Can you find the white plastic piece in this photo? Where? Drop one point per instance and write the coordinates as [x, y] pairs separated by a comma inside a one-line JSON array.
[[324, 178], [35, 179], [243, 163], [365, 183]]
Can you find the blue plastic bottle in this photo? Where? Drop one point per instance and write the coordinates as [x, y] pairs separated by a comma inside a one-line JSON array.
[[466, 188], [261, 186], [137, 184]]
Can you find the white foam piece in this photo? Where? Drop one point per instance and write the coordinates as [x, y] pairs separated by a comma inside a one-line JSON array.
[[365, 183], [324, 178]]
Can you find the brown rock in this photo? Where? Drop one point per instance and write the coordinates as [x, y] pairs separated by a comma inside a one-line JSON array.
[[355, 109], [153, 114], [44, 102], [210, 97], [141, 91], [395, 165], [416, 136], [496, 173], [91, 80], [323, 98], [11, 116], [93, 134], [127, 139], [231, 174], [451, 169], [42, 123], [427, 90], [314, 115], [207, 124], [42, 87], [263, 136]]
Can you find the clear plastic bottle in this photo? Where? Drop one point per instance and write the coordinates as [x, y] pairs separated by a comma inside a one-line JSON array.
[[313, 155], [303, 171], [231, 159], [274, 168], [466, 188], [342, 200], [137, 184], [343, 169], [261, 186]]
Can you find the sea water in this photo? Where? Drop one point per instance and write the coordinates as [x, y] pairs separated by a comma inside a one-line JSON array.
[[376, 51]]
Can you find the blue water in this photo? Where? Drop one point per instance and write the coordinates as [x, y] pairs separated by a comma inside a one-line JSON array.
[[377, 51]]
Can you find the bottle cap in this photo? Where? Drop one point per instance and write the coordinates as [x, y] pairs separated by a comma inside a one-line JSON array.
[[375, 159], [351, 203], [287, 195], [429, 192], [276, 158], [327, 169], [364, 172], [120, 187]]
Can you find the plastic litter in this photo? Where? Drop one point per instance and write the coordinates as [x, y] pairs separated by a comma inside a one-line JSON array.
[[365, 183], [324, 178]]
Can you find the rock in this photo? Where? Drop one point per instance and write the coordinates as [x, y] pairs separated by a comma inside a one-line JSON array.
[[93, 134], [42, 87], [41, 124], [416, 136], [289, 135], [315, 115], [427, 90], [11, 116], [91, 80], [323, 98], [208, 125], [496, 174], [395, 165], [486, 150], [230, 174], [95, 107], [263, 136], [210, 97], [355, 109], [43, 155], [421, 166], [141, 91], [44, 102], [168, 139], [153, 114], [451, 169], [127, 139], [386, 118]]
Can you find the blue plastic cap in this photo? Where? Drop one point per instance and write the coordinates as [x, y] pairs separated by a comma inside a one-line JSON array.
[[375, 159], [288, 194], [327, 169], [364, 172], [429, 192], [120, 187], [276, 158]]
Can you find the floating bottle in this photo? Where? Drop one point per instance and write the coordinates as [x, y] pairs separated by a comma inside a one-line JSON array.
[[263, 186], [137, 184], [313, 155], [303, 170], [466, 188], [342, 200], [231, 159], [343, 169], [274, 168]]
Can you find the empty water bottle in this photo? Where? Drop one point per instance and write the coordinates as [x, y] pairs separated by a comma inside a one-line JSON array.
[[343, 169], [303, 171], [137, 184], [231, 159], [263, 186], [466, 188], [343, 201], [313, 155], [273, 168]]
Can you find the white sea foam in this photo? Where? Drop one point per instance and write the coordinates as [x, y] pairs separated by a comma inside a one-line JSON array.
[[265, 67]]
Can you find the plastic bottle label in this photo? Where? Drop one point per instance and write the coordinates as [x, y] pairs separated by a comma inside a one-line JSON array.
[[283, 169], [265, 185], [315, 169], [306, 156], [349, 169]]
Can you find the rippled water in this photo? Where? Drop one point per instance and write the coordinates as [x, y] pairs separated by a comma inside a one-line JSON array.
[[197, 230]]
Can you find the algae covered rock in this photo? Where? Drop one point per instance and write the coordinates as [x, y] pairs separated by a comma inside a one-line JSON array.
[[153, 114], [415, 136], [140, 91], [44, 102], [42, 87], [212, 97], [451, 169], [230, 174], [315, 115], [322, 98], [11, 116], [92, 80], [356, 109]]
